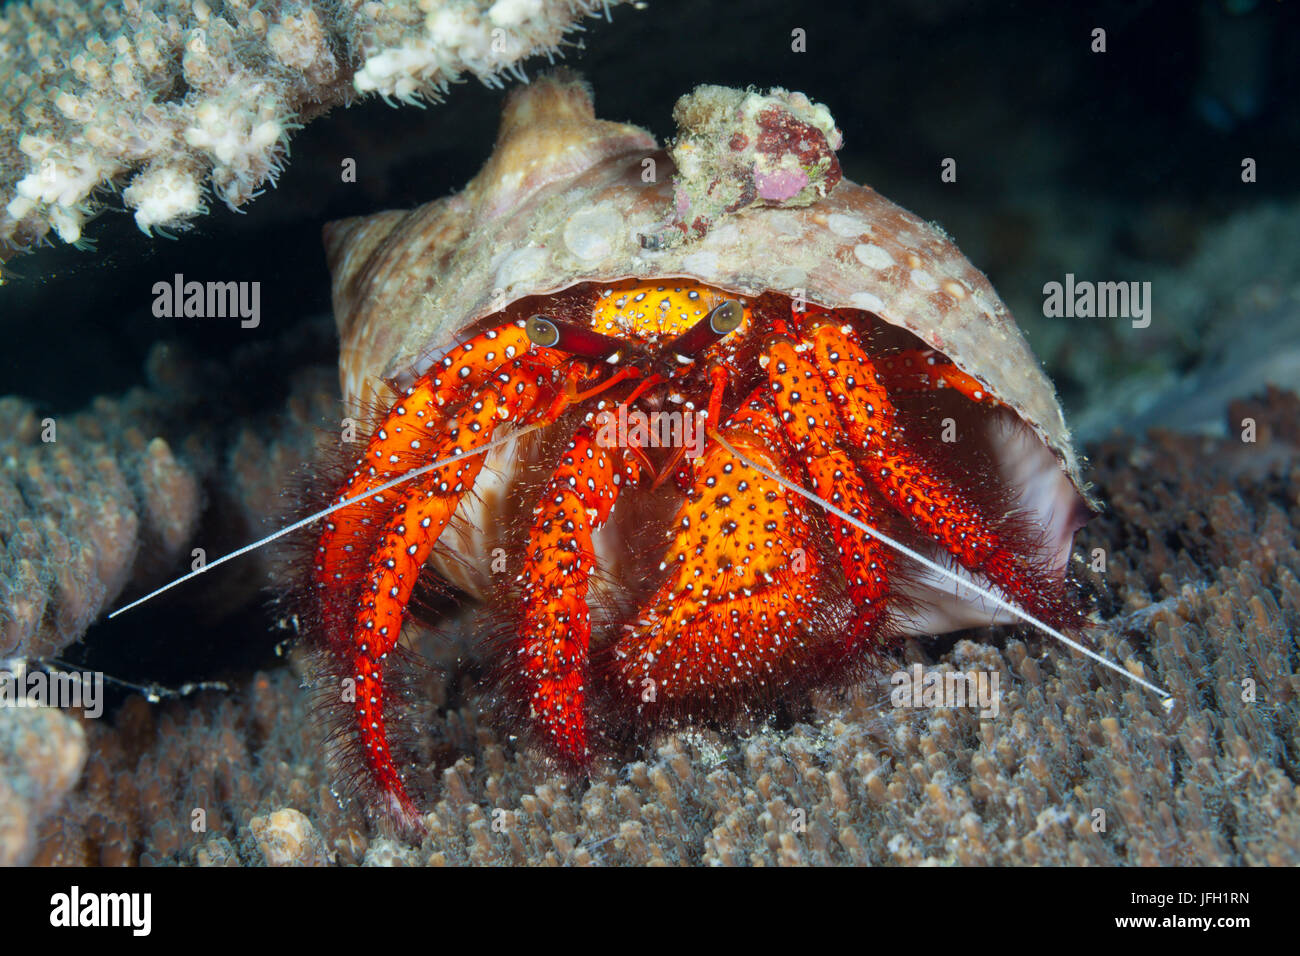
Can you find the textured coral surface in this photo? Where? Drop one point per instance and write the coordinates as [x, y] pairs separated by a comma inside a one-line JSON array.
[[112, 495], [41, 755], [165, 99], [1200, 592]]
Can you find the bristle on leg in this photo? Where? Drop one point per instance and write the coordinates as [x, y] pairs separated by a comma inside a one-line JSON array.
[[367, 578], [937, 507], [550, 650]]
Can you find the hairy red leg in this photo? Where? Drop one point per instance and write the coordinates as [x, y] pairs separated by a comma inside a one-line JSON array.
[[717, 386], [551, 648], [933, 504], [912, 370], [811, 423], [416, 425], [466, 367], [400, 443], [926, 370], [741, 599]]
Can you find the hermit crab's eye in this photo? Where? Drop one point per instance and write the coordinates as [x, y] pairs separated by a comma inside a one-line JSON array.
[[726, 317], [721, 321], [574, 339], [542, 331]]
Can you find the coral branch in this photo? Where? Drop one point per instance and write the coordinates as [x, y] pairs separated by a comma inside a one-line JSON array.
[[166, 99]]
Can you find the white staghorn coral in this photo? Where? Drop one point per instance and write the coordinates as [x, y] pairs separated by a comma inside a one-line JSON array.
[[166, 98]]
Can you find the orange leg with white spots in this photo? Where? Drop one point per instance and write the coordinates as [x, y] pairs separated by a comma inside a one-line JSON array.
[[811, 422], [907, 370], [742, 596], [468, 366], [391, 561], [924, 370], [402, 442], [932, 504], [551, 648]]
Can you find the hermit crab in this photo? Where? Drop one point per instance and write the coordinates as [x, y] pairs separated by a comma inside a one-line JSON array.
[[683, 421]]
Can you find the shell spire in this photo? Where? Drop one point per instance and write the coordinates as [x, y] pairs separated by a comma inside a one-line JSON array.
[[548, 132], [391, 263]]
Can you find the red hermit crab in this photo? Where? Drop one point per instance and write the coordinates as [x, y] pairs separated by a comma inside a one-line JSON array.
[[662, 354]]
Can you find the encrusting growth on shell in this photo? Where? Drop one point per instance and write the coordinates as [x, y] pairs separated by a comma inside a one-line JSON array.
[[741, 148], [166, 99]]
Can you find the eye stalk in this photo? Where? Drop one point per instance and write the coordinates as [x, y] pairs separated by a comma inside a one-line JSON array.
[[720, 322], [574, 339], [582, 342]]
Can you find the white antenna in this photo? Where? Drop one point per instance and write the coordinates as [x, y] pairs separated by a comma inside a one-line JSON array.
[[414, 473], [1167, 701]]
